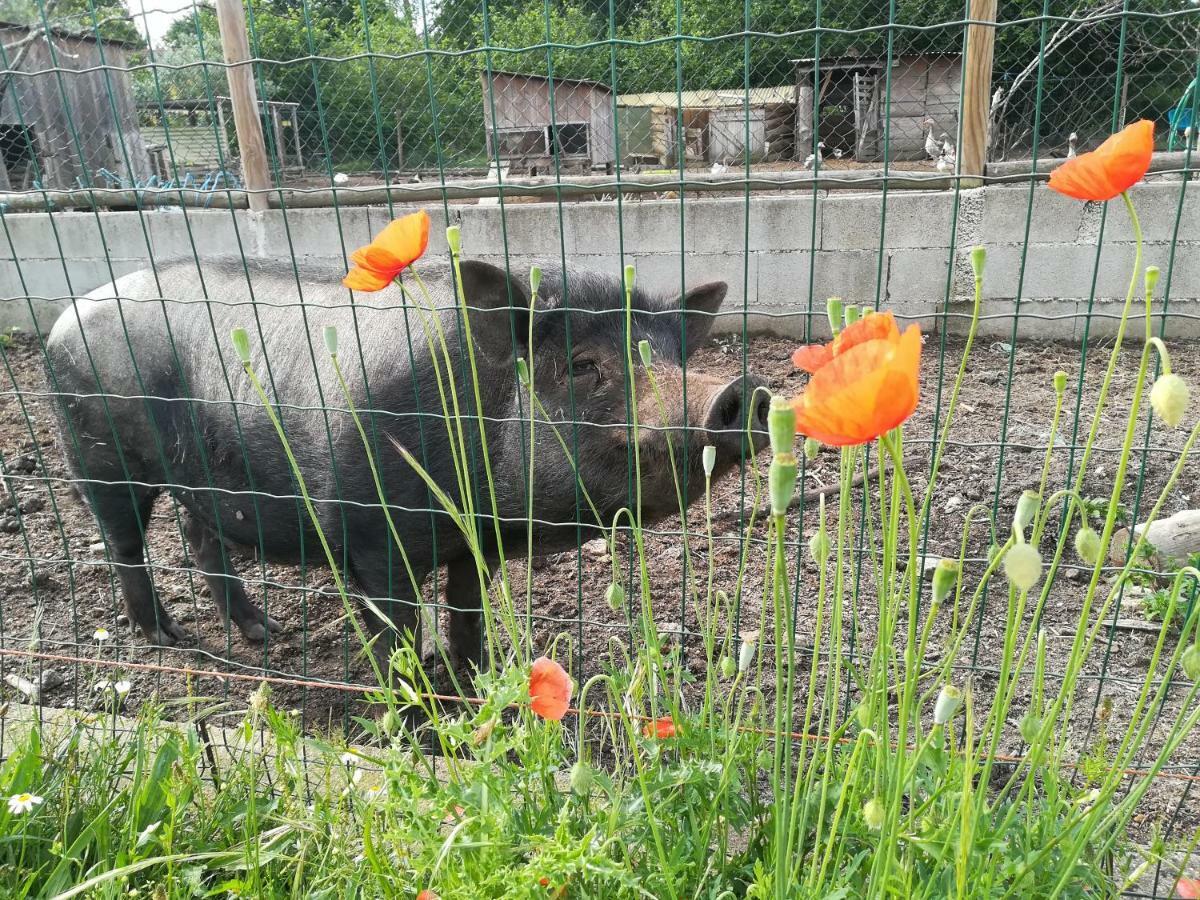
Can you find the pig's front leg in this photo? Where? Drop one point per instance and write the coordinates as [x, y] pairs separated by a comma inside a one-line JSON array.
[[464, 600]]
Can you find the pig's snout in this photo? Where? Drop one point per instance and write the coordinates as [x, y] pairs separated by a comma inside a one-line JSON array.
[[744, 401]]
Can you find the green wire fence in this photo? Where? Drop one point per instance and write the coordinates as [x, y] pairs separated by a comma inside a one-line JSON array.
[[794, 151]]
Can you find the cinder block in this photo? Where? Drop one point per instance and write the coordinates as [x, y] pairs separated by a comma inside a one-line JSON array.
[[323, 233], [1052, 218], [200, 233], [914, 219], [1157, 204]]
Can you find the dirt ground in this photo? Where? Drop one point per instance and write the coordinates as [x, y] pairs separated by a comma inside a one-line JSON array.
[[55, 588]]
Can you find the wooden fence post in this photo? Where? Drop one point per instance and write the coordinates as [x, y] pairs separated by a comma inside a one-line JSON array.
[[242, 96], [977, 92]]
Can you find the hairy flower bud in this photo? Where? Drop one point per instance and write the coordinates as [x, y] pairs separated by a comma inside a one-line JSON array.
[[535, 279], [1191, 662], [329, 332], [1029, 726], [708, 458], [812, 449], [873, 814], [1169, 397], [523, 370], [1087, 545], [945, 576], [241, 343], [978, 261], [1060, 382], [644, 352], [949, 699], [454, 239], [781, 425], [748, 650], [781, 482], [852, 314], [1023, 566], [614, 596], [836, 312], [728, 667], [629, 277], [818, 547], [1027, 507], [581, 778]]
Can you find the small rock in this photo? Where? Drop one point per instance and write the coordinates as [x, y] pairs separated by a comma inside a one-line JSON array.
[[9, 525], [32, 504], [52, 678], [97, 547], [25, 464], [40, 581], [597, 547], [953, 503], [122, 619]]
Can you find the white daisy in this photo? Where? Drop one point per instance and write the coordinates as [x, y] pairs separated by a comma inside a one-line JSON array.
[[19, 804], [122, 687], [101, 634]]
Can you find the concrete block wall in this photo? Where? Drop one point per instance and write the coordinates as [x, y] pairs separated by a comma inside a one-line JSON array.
[[782, 255]]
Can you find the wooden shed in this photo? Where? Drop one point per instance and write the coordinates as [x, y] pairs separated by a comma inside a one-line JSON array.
[[851, 95], [581, 130], [719, 126], [71, 125]]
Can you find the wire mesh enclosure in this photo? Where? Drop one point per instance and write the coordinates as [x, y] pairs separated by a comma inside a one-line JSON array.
[[171, 174]]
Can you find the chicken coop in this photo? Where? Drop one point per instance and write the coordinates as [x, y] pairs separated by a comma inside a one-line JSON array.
[[717, 126], [849, 95], [65, 131], [531, 121]]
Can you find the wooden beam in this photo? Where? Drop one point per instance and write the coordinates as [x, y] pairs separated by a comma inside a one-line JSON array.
[[244, 98], [977, 92]]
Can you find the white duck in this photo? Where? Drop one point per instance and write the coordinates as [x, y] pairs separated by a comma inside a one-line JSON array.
[[813, 157], [341, 178], [719, 168], [1072, 140]]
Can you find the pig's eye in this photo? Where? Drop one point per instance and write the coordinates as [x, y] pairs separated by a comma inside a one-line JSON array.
[[587, 368]]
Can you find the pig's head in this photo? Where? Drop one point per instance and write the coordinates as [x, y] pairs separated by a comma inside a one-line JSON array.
[[581, 338]]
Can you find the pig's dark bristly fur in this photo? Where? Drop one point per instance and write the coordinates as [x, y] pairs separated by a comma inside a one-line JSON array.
[[151, 400]]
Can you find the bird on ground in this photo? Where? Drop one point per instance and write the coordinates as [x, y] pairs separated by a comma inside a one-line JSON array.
[[1072, 139], [837, 152], [719, 168], [814, 157], [341, 178], [947, 147], [416, 179], [932, 148], [943, 164]]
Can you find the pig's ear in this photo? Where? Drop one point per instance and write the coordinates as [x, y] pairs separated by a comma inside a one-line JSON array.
[[499, 308], [702, 304]]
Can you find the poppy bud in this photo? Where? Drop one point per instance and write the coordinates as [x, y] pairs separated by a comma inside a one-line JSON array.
[[945, 576], [781, 482], [862, 715], [1087, 545], [523, 370], [812, 449], [614, 596], [1030, 726], [818, 547], [722, 599], [853, 314], [1060, 382], [835, 310], [535, 279], [329, 332], [1169, 397], [978, 260], [1191, 662], [708, 458], [1023, 566], [581, 778], [949, 699], [1152, 274], [873, 814], [1027, 507], [728, 667], [644, 352], [389, 722], [781, 425], [454, 239], [748, 649], [629, 273], [241, 343]]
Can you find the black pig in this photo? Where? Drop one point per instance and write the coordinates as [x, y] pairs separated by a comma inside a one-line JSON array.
[[150, 398]]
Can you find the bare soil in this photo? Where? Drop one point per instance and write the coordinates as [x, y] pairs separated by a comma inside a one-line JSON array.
[[56, 589]]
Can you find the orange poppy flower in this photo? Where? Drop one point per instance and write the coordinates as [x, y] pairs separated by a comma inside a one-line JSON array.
[[660, 728], [864, 383], [427, 894], [549, 689], [1188, 887], [396, 248], [1109, 170]]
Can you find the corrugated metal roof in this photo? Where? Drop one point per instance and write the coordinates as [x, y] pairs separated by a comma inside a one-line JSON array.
[[710, 99]]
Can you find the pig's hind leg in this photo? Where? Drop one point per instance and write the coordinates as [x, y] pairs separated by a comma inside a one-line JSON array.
[[227, 589], [123, 513]]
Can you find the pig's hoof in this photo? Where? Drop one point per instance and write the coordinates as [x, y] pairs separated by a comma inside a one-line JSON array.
[[166, 633], [254, 631]]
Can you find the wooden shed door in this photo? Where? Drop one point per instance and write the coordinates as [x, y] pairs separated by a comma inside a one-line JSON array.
[[866, 115]]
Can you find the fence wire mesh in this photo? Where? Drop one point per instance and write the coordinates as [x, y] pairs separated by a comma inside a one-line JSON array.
[[699, 140]]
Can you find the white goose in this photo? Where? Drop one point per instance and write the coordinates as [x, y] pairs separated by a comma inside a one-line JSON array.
[[1072, 140], [813, 157], [932, 148]]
